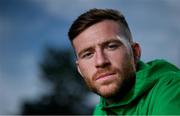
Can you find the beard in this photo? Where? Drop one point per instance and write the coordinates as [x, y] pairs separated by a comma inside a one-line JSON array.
[[123, 89], [117, 88]]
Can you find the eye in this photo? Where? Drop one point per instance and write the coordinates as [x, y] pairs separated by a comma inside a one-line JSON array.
[[87, 55], [112, 46]]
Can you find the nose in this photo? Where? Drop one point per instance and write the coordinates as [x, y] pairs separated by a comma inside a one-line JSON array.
[[101, 59]]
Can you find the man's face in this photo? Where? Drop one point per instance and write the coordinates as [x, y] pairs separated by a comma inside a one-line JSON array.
[[104, 59]]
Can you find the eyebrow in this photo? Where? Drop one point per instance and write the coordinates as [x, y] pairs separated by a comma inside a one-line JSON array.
[[110, 41], [101, 44]]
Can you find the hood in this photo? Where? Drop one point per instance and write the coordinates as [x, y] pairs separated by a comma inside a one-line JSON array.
[[146, 77]]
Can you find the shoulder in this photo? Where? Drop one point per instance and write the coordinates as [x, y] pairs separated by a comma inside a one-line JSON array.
[[167, 94]]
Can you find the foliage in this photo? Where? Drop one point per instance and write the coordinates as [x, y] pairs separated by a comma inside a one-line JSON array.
[[68, 89]]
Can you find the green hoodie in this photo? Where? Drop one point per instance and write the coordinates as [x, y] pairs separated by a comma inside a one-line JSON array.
[[156, 91]]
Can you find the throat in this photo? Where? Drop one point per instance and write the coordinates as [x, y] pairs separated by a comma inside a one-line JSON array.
[[114, 99]]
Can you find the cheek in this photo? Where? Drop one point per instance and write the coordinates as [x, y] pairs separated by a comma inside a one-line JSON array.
[[86, 70], [121, 60], [87, 73], [117, 59]]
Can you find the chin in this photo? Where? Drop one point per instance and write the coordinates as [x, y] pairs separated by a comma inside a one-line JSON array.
[[117, 90], [109, 91]]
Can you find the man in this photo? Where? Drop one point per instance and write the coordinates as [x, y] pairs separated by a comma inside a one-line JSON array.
[[109, 61]]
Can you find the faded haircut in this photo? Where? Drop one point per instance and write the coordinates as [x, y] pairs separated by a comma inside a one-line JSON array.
[[94, 16]]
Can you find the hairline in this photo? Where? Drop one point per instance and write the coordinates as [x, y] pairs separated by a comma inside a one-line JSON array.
[[123, 30], [123, 35]]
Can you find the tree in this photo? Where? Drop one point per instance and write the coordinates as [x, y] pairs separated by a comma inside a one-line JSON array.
[[69, 90]]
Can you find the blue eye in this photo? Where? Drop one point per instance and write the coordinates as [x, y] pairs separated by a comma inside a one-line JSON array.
[[112, 46], [87, 55]]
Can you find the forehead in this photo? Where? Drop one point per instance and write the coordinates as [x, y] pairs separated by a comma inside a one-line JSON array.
[[97, 34], [103, 27]]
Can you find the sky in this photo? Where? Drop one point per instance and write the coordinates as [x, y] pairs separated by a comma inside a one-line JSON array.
[[28, 26]]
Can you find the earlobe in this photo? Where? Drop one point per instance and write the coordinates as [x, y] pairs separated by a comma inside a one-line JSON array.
[[79, 71], [77, 66], [136, 51]]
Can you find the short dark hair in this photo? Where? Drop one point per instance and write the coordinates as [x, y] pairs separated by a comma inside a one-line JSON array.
[[94, 16]]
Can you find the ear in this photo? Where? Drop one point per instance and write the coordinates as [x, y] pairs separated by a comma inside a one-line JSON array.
[[136, 51], [77, 66]]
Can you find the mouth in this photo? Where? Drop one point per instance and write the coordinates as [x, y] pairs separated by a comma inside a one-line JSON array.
[[105, 75]]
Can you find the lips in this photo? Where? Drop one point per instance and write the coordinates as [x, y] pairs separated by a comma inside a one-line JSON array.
[[104, 75]]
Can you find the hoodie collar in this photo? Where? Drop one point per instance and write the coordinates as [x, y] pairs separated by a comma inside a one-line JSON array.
[[137, 89]]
